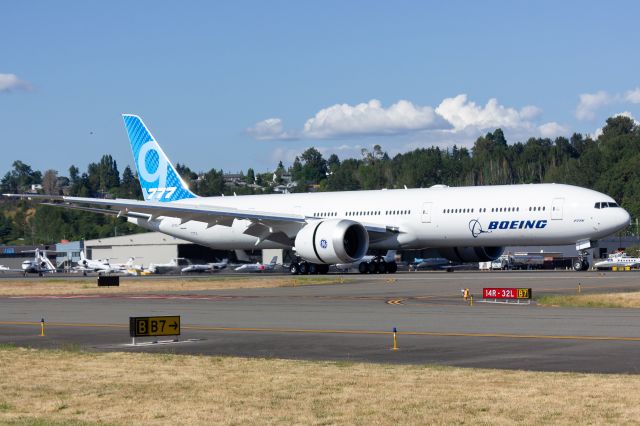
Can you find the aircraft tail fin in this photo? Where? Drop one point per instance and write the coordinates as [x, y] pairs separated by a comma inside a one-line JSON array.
[[158, 178], [274, 260]]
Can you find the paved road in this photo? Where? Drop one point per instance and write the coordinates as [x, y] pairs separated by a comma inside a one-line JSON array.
[[353, 322]]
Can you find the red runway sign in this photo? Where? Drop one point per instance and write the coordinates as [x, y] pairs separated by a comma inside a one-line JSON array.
[[506, 293]]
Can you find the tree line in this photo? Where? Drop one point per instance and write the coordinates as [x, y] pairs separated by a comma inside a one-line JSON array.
[[609, 163]]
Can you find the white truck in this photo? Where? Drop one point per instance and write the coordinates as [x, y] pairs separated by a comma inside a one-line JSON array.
[[502, 263]]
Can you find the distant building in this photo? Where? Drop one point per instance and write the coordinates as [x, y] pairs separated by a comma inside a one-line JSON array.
[[68, 253], [234, 179], [150, 247]]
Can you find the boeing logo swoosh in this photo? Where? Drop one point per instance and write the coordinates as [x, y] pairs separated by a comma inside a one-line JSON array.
[[476, 228]]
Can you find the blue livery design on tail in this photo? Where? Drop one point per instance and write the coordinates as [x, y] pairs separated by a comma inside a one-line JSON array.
[[158, 178]]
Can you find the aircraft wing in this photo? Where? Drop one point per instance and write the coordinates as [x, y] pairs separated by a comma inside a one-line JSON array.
[[11, 270], [264, 225]]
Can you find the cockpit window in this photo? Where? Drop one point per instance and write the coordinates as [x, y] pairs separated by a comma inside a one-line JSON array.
[[605, 204]]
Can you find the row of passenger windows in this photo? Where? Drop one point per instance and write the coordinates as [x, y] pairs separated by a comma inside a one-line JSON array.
[[449, 211], [326, 214], [365, 213], [500, 209]]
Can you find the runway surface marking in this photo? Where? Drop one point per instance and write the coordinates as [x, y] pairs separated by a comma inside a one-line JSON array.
[[328, 331], [395, 301]]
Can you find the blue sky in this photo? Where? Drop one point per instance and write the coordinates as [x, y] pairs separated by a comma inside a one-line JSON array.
[[244, 84]]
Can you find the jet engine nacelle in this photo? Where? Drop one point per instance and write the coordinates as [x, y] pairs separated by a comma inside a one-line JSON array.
[[332, 241], [471, 254]]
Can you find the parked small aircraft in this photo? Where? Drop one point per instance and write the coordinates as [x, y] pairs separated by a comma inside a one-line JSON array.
[[433, 263], [40, 264], [173, 266], [101, 266], [619, 259], [259, 267], [372, 264], [206, 267]]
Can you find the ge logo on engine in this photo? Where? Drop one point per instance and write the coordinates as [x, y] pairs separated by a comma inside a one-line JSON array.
[[323, 244]]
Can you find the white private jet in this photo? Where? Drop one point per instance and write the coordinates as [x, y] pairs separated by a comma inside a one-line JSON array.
[[435, 263], [101, 266], [259, 267], [371, 264], [40, 264], [131, 268], [619, 259], [206, 267], [173, 266], [465, 224]]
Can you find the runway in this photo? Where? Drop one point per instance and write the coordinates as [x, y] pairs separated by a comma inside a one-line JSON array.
[[353, 321]]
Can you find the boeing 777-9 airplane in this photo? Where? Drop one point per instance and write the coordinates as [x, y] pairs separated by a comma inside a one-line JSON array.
[[465, 224]]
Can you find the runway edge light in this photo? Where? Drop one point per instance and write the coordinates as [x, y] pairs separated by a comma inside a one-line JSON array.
[[395, 339]]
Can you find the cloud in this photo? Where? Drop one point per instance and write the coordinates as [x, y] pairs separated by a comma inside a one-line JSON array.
[[590, 102], [463, 114], [552, 130], [456, 114], [11, 83], [633, 96], [371, 118], [269, 129]]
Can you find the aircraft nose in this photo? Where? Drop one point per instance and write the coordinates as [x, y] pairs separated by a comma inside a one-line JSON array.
[[625, 219]]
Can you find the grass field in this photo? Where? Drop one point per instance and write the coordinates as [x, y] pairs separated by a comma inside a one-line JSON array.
[[71, 387], [61, 286], [604, 300]]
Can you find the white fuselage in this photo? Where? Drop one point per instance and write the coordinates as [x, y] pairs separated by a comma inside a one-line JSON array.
[[533, 214]]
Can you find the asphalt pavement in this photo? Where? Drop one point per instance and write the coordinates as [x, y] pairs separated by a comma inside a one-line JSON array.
[[354, 321]]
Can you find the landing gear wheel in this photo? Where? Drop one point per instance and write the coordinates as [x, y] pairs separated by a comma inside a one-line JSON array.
[[323, 269], [577, 265], [373, 267], [382, 267], [363, 268], [392, 267], [313, 269], [585, 265], [294, 268], [303, 268]]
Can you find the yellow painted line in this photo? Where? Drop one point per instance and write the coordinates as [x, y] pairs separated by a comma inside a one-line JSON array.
[[395, 302], [330, 331], [64, 324]]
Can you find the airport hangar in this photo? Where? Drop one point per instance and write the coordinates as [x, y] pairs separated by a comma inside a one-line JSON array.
[[155, 247]]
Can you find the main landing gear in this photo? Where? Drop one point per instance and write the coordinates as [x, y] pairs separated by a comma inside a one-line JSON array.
[[306, 268], [374, 266], [378, 266]]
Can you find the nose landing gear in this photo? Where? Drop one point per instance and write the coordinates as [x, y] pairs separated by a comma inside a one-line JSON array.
[[582, 263]]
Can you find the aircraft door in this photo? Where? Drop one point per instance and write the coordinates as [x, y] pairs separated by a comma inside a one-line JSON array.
[[556, 208], [426, 212]]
